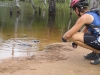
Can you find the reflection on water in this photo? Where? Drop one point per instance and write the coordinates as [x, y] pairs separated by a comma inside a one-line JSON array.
[[19, 47], [25, 33]]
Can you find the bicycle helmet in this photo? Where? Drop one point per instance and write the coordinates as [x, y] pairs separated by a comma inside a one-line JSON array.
[[79, 3], [73, 3]]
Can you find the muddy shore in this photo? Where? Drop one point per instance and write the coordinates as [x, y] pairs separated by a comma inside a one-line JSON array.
[[55, 59]]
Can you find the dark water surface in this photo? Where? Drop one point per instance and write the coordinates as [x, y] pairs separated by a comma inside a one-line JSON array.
[[25, 33]]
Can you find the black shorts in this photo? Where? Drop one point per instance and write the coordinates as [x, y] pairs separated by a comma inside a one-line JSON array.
[[91, 41]]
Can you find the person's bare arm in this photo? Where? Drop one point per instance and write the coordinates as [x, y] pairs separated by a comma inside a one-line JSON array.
[[85, 19], [84, 30]]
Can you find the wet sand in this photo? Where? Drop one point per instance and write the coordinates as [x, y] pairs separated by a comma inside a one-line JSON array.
[[55, 59]]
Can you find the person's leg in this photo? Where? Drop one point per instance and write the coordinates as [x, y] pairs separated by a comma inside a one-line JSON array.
[[88, 41], [90, 56], [86, 46], [78, 38]]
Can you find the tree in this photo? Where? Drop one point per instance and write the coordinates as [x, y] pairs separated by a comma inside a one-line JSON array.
[[52, 13], [45, 1], [94, 3], [33, 4], [17, 3], [52, 6]]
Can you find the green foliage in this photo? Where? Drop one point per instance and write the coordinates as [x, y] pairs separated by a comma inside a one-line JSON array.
[[60, 6]]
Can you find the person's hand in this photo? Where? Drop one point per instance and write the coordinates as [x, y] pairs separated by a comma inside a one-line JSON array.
[[64, 40], [74, 45]]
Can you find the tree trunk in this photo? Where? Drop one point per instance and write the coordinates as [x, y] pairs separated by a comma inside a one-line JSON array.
[[52, 7], [18, 6], [94, 4], [45, 1], [17, 3], [52, 13], [33, 4]]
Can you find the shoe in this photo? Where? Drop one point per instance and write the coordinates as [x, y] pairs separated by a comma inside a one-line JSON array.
[[96, 61], [90, 56]]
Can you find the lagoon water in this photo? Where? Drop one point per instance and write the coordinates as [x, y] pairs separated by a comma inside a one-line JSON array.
[[25, 33]]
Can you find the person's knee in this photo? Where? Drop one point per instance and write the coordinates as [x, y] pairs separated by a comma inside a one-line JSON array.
[[77, 37], [74, 37]]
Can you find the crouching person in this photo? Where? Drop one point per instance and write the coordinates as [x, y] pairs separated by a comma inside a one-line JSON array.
[[89, 36]]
